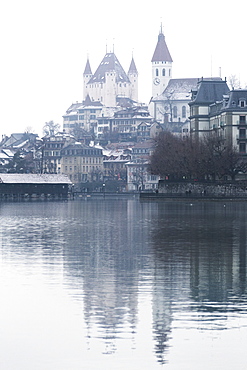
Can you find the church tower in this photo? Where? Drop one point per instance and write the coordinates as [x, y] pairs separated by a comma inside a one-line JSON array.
[[161, 66], [133, 77]]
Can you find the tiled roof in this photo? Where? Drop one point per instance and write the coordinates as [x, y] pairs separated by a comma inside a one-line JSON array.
[[10, 178], [161, 53], [109, 64]]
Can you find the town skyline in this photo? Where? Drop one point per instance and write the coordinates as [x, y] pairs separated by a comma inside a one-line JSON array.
[[45, 49]]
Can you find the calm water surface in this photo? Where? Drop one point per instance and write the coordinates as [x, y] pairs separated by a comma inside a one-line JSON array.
[[123, 284]]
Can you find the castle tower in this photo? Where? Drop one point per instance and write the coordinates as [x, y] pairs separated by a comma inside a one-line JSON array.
[[161, 66], [108, 82], [87, 74], [133, 77]]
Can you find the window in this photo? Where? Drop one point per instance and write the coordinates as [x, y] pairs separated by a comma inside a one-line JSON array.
[[175, 112], [242, 133], [157, 72], [163, 72], [242, 148], [242, 120], [183, 111]]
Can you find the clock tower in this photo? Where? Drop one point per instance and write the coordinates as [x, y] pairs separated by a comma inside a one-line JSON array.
[[161, 66]]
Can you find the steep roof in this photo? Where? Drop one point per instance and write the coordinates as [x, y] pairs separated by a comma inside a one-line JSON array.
[[132, 68], [234, 98], [109, 63], [161, 53], [210, 91], [87, 70]]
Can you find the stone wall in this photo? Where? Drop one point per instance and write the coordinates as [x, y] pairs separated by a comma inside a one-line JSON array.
[[203, 189]]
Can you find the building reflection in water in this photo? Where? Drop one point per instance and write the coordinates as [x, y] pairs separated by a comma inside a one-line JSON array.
[[109, 254], [190, 258], [199, 253]]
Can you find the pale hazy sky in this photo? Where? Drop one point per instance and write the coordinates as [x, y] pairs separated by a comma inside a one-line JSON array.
[[44, 47]]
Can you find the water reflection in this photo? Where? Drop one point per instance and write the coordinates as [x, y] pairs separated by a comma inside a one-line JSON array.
[[139, 273], [199, 266]]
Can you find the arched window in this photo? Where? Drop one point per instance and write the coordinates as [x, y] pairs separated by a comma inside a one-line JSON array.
[[163, 72], [169, 72], [157, 72], [175, 112], [183, 111]]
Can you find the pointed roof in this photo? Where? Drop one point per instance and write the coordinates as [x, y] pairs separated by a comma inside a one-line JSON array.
[[161, 53], [109, 63], [87, 70], [132, 68]]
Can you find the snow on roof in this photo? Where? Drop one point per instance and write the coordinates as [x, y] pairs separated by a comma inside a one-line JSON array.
[[8, 152], [17, 178], [3, 156], [21, 144]]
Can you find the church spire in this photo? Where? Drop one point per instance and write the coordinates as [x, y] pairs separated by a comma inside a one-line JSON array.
[[161, 65], [161, 53]]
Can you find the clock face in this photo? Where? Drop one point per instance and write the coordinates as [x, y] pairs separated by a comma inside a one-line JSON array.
[[156, 81]]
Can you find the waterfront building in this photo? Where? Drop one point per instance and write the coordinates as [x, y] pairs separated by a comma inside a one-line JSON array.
[[82, 163], [51, 151], [207, 92], [139, 177], [16, 185], [115, 164], [228, 119]]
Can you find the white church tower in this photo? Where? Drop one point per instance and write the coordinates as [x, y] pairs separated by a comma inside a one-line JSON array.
[[161, 66]]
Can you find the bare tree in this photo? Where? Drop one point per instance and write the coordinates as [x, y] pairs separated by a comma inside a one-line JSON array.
[[208, 158], [167, 109], [234, 82], [50, 128]]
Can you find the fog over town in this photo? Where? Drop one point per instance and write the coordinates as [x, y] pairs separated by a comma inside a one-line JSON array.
[[45, 46]]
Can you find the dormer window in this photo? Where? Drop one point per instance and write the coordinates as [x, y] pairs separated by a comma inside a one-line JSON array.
[[242, 103]]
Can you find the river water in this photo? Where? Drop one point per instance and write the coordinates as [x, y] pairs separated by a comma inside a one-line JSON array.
[[123, 284]]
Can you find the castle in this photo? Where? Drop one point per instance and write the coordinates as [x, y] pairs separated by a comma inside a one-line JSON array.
[[110, 81]]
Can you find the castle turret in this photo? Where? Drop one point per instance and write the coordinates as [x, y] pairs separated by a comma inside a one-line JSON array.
[[161, 66], [87, 74], [133, 77]]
